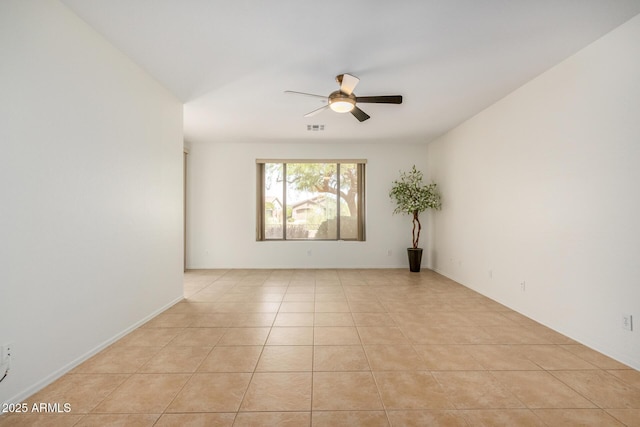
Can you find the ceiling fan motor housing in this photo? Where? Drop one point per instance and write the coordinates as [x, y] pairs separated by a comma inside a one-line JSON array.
[[340, 102]]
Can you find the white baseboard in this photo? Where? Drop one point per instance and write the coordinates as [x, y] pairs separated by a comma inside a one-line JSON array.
[[69, 366], [588, 341]]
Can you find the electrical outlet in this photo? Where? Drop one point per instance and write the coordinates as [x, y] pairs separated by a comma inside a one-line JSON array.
[[627, 322], [523, 286]]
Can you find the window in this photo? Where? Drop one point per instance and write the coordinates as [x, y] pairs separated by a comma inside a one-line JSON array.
[[310, 200]]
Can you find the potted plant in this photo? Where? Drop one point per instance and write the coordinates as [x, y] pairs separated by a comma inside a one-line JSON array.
[[412, 197]]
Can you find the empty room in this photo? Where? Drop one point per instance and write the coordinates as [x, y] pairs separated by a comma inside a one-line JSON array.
[[297, 213]]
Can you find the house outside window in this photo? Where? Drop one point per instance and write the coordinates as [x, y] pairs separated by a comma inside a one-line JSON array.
[[310, 200]]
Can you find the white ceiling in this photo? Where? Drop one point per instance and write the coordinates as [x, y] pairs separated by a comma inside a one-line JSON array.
[[231, 61]]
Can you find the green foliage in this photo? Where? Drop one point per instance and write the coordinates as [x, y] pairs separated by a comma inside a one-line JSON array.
[[413, 197], [348, 228], [294, 231], [312, 176]]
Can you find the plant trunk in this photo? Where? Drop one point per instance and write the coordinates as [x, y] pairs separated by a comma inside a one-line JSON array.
[[416, 233], [350, 198]]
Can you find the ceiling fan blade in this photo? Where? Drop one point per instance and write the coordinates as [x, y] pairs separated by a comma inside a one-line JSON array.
[[387, 99], [359, 114], [348, 83], [306, 94], [316, 111]]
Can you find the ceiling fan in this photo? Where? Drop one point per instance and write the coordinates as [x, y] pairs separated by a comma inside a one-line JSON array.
[[344, 100]]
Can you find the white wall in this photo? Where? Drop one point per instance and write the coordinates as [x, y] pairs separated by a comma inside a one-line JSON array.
[[90, 193], [221, 207], [542, 187]]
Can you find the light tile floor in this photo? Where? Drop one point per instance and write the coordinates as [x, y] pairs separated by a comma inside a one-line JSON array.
[[341, 348]]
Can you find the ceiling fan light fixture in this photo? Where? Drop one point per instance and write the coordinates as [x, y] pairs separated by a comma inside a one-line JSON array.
[[342, 105]]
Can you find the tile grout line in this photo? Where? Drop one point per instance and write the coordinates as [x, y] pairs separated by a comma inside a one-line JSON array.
[[244, 395]]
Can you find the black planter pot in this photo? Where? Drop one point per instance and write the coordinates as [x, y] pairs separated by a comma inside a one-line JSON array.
[[415, 258]]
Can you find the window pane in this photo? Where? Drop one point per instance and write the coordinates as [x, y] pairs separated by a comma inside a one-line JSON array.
[[348, 201], [301, 201], [273, 201], [311, 200]]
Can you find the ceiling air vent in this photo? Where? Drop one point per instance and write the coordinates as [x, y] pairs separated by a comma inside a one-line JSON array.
[[315, 128]]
